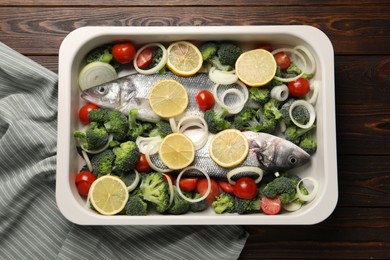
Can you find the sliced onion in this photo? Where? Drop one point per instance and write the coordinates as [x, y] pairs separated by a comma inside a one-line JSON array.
[[173, 124], [171, 189], [309, 56], [132, 186], [311, 97], [293, 206], [143, 142], [194, 121], [87, 160], [280, 92], [156, 68], [297, 53], [151, 164], [96, 73], [313, 192], [309, 108], [242, 95], [208, 184], [242, 169], [110, 138], [222, 77]]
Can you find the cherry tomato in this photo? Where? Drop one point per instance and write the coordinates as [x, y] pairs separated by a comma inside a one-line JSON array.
[[245, 188], [205, 100], [226, 187], [202, 185], [282, 60], [123, 52], [266, 47], [84, 110], [299, 87], [271, 206], [188, 184], [144, 58], [170, 177], [84, 181], [142, 165]]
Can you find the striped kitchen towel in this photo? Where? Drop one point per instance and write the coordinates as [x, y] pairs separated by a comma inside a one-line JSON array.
[[31, 226]]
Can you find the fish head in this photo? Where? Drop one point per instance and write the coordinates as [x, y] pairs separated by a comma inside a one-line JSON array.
[[277, 154], [114, 94]]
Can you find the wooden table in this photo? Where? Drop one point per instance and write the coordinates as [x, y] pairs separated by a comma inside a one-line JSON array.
[[359, 228]]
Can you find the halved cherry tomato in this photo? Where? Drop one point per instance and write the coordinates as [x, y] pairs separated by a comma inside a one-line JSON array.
[[142, 165], [202, 185], [144, 58], [188, 184], [123, 52], [84, 110], [170, 177], [226, 187], [282, 60], [245, 188], [299, 87], [84, 180], [205, 100], [271, 206]]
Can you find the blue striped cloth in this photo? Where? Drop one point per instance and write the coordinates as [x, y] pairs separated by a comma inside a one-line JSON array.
[[31, 226]]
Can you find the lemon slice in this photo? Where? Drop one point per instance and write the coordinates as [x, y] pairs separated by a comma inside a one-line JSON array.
[[184, 58], [229, 148], [168, 98], [108, 195], [256, 67], [176, 151]]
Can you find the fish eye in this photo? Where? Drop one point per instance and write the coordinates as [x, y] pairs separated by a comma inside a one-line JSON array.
[[292, 160], [101, 90]]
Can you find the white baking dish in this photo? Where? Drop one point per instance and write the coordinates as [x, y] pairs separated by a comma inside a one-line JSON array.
[[323, 165]]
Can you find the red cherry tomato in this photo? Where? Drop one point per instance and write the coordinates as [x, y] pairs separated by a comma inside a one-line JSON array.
[[282, 60], [142, 165], [245, 188], [266, 47], [205, 100], [271, 206], [188, 184], [202, 185], [226, 187], [84, 181], [299, 87], [84, 110], [170, 177], [123, 52], [144, 58]]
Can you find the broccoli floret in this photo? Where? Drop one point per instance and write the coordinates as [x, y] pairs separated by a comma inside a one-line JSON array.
[[308, 144], [254, 120], [126, 156], [301, 114], [102, 163], [225, 203], [117, 124], [162, 129], [179, 205], [135, 128], [282, 187], [271, 109], [208, 50], [102, 53], [136, 206], [295, 180], [294, 134], [228, 53], [260, 95], [155, 190], [200, 205], [216, 121], [284, 110], [99, 116], [293, 69], [94, 137], [243, 206]]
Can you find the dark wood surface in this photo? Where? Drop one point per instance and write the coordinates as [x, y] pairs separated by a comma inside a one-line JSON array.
[[359, 228]]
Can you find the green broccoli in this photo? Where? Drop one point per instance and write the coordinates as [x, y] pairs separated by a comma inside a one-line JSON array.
[[293, 69], [94, 137], [162, 129], [216, 121], [271, 109], [228, 53], [179, 205], [243, 206], [126, 157], [283, 187], [117, 124], [308, 144], [155, 190], [99, 116], [254, 120], [260, 95], [284, 110], [295, 180], [136, 206], [294, 134], [102, 53], [208, 50], [102, 163], [300, 114], [135, 128], [222, 56], [225, 203], [200, 205]]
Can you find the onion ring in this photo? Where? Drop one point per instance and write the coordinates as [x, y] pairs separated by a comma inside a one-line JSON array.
[[242, 169], [280, 92], [222, 77], [133, 185], [156, 68], [309, 107], [313, 193], [208, 184], [297, 53]]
